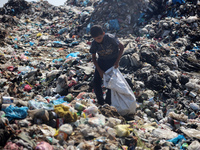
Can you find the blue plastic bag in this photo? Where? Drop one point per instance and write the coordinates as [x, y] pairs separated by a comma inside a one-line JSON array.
[[88, 28], [177, 139], [57, 42], [85, 3], [178, 1], [62, 31], [59, 101], [31, 43], [72, 55], [14, 112], [114, 24], [57, 60]]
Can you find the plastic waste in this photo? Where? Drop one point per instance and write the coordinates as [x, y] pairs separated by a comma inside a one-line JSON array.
[[111, 131], [114, 24], [69, 97], [64, 131], [7, 100], [111, 122], [79, 106], [58, 101], [122, 130], [164, 133], [43, 146], [72, 54], [180, 117], [177, 139], [91, 110], [194, 145], [122, 97], [190, 132], [38, 105], [23, 68], [14, 112], [98, 120], [62, 31]]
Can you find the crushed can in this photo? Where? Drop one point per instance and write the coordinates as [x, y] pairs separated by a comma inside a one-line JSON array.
[[62, 135], [59, 122], [72, 73], [69, 98], [79, 106], [192, 94]]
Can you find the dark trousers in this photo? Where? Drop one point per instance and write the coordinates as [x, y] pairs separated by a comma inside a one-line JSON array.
[[104, 65]]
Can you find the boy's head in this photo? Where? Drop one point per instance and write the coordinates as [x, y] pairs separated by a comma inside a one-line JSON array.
[[97, 33]]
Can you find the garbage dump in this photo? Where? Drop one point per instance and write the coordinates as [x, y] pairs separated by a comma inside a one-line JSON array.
[[46, 75]]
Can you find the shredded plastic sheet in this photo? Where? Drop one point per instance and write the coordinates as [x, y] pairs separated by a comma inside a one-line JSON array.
[[14, 112]]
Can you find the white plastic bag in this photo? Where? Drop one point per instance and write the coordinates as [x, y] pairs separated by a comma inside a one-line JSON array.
[[194, 145], [164, 133], [193, 133], [122, 97]]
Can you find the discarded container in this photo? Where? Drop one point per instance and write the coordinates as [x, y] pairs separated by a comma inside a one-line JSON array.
[[79, 106], [59, 122], [111, 131], [7, 100], [69, 97], [192, 94], [91, 110], [64, 131]]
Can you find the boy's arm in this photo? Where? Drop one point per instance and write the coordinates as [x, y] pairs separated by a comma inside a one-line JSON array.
[[101, 72], [121, 50]]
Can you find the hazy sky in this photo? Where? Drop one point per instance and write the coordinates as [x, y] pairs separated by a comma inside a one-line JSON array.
[[53, 2]]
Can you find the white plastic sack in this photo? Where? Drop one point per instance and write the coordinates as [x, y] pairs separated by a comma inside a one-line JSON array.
[[194, 145], [193, 133], [122, 97], [164, 133]]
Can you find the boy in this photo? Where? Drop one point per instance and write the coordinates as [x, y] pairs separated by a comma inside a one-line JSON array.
[[109, 51]]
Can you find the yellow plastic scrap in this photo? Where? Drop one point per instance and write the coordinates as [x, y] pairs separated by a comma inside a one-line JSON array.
[[56, 132], [10, 37], [39, 34], [123, 130], [28, 21], [64, 112]]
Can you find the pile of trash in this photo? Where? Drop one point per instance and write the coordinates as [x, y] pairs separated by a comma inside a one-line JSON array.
[[46, 75]]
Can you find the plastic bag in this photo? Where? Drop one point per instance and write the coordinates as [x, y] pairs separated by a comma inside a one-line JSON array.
[[59, 101], [67, 128], [165, 134], [114, 24], [178, 1], [72, 54], [122, 130], [16, 112], [122, 97], [177, 139], [194, 145], [97, 121], [191, 132], [38, 105], [13, 146], [91, 110]]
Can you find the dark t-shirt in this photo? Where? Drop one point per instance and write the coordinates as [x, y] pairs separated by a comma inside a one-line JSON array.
[[107, 49]]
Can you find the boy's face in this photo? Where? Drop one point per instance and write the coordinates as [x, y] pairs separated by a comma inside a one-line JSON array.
[[99, 38]]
